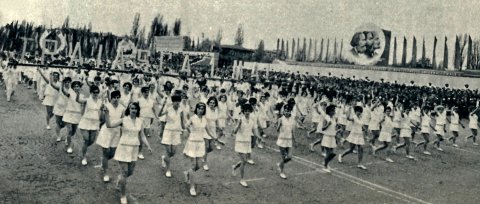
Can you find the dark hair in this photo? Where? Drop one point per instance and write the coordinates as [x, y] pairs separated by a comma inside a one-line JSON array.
[[212, 98], [128, 84], [252, 101], [288, 107], [330, 109], [97, 78], [356, 39], [388, 108], [247, 107], [200, 104], [222, 95], [74, 83], [115, 94], [358, 109], [176, 98], [67, 80], [127, 111], [145, 89], [94, 88], [266, 94]]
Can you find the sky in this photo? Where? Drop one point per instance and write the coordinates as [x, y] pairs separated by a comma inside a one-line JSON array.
[[267, 19]]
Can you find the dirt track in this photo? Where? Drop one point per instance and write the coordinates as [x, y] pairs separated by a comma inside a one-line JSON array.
[[36, 169]]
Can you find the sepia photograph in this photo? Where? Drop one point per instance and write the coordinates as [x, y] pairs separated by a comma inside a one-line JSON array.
[[227, 101]]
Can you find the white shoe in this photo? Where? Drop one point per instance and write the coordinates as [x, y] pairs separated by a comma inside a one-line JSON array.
[[234, 172], [410, 157], [164, 165], [205, 167], [260, 145], [339, 158], [106, 178], [59, 139], [475, 144], [48, 127], [389, 160], [439, 149], [123, 200], [168, 174], [454, 145], [250, 162], [140, 156], [69, 150], [218, 147], [84, 162], [283, 176], [327, 170], [426, 153], [243, 183], [324, 154], [193, 192], [362, 167]]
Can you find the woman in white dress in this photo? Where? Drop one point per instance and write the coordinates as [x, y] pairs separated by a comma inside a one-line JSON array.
[[440, 126], [90, 122], [212, 116], [406, 133], [126, 97], [386, 132], [132, 134], [73, 112], [286, 140], [50, 94], [147, 113], [425, 127], [173, 131], [195, 145], [108, 138], [330, 131], [60, 105], [356, 138], [473, 125], [454, 125], [246, 127]]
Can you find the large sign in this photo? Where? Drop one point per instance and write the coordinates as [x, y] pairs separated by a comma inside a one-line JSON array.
[[169, 43], [369, 45]]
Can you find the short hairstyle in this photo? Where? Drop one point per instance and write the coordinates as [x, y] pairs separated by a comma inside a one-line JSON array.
[[358, 109], [388, 108], [67, 80], [97, 78], [127, 84], [176, 98], [145, 89], [74, 83], [330, 109], [247, 107], [212, 98], [115, 94], [222, 96], [127, 111], [356, 39], [94, 88], [200, 104], [252, 101]]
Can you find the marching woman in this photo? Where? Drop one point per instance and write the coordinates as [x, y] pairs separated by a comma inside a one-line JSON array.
[[355, 138], [330, 131], [11, 80], [90, 121], [473, 125], [454, 125], [425, 129], [73, 112], [108, 137], [406, 133], [286, 140], [319, 114], [132, 134], [60, 106], [173, 131], [212, 124], [386, 131], [147, 113], [195, 146], [126, 96], [50, 94], [246, 127], [440, 126], [223, 115]]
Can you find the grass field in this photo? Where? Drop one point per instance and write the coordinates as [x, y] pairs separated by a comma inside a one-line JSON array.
[[36, 169]]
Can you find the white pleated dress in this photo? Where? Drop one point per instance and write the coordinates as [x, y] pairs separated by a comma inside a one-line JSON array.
[[243, 138], [146, 110], [473, 121], [73, 110], [328, 139], [60, 104], [356, 134], [212, 117], [109, 137], [173, 128], [91, 117], [195, 145], [128, 146], [285, 135], [386, 130], [50, 94], [454, 122]]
